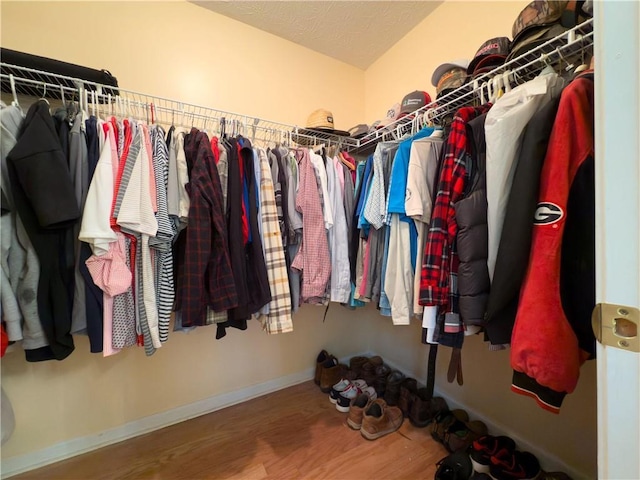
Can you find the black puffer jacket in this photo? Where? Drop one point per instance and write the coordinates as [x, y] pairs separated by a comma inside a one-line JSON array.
[[471, 216]]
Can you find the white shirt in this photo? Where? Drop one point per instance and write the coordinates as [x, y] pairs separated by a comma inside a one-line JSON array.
[[504, 127], [318, 165]]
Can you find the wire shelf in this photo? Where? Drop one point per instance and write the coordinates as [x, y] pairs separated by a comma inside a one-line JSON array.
[[566, 47], [103, 99]]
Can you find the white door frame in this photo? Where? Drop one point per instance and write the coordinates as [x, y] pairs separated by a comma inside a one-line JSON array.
[[617, 142]]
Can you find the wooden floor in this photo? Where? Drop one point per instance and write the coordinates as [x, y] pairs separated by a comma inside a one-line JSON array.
[[293, 433]]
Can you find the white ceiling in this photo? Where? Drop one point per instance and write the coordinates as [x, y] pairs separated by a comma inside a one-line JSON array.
[[355, 32]]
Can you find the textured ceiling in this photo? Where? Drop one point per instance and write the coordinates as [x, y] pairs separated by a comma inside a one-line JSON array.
[[356, 32]]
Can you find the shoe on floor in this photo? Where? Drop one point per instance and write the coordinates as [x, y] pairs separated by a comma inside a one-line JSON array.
[[461, 435], [487, 446], [509, 465], [356, 364], [357, 409], [424, 408], [456, 466], [322, 357], [341, 386], [379, 420], [408, 390], [331, 374], [350, 393], [380, 379], [443, 420], [392, 389]]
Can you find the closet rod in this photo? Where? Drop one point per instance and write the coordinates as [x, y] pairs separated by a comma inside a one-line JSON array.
[[41, 83], [564, 47]]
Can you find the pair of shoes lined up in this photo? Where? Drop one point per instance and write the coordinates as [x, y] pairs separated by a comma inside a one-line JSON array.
[[373, 417], [345, 391], [498, 458], [455, 431], [492, 458]]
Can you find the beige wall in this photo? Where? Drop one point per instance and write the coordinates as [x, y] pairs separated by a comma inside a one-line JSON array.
[[187, 53], [455, 30], [193, 54]]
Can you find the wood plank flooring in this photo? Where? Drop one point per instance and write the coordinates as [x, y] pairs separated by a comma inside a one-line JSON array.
[[290, 434]]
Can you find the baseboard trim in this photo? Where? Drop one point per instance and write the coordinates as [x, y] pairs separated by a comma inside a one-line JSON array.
[[549, 461], [22, 463]]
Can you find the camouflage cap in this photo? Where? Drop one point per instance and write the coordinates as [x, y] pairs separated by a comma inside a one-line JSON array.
[[451, 79], [536, 14]]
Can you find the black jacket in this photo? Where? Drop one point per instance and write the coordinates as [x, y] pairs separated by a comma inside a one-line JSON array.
[[515, 242], [45, 200]]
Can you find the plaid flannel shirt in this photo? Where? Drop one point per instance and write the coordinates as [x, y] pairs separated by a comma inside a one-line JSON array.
[[206, 278], [438, 280], [278, 320]]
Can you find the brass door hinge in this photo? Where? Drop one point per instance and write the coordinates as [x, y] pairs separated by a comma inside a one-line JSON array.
[[616, 326]]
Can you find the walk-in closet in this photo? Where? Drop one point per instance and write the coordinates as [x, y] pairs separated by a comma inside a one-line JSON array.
[[320, 239]]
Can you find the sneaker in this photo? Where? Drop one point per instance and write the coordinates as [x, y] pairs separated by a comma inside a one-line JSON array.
[[424, 408], [323, 356], [456, 466], [408, 390], [357, 409], [341, 386], [379, 420], [486, 447], [352, 391], [509, 465], [331, 374]]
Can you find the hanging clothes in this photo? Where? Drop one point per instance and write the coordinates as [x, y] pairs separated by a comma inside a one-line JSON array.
[[503, 129], [312, 259], [515, 242], [278, 320], [552, 337], [207, 277], [45, 200]]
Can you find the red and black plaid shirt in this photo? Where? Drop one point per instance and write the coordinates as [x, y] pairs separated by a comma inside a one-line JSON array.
[[440, 261], [206, 277]]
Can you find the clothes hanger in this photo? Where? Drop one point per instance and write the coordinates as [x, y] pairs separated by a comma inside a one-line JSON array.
[[583, 64], [548, 67], [44, 94], [506, 81], [12, 81]]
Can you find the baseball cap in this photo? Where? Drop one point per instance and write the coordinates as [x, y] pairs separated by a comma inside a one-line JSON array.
[[537, 14], [493, 52], [413, 101], [359, 130], [446, 67], [392, 115], [450, 80], [534, 38]]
